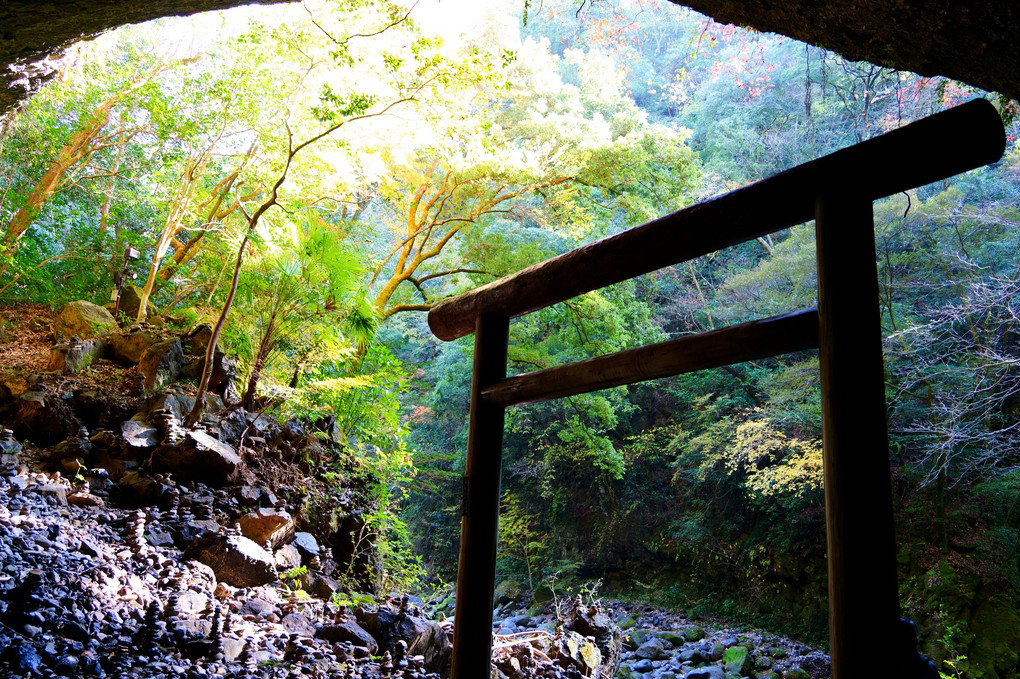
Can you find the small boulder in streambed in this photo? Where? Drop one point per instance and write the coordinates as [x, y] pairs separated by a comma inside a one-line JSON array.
[[652, 649], [712, 672], [737, 659], [694, 633]]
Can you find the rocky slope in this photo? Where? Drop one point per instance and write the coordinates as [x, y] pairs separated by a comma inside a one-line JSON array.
[[132, 547]]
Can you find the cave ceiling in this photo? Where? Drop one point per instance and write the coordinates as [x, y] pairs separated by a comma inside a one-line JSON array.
[[973, 41]]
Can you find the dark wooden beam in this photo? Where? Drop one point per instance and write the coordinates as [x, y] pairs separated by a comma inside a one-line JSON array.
[[863, 597], [745, 342], [928, 150], [476, 571]]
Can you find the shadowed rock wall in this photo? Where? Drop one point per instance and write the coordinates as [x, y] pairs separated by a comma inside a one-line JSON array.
[[973, 41]]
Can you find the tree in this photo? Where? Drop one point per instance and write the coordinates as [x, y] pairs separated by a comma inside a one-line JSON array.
[[74, 156], [579, 159], [374, 82]]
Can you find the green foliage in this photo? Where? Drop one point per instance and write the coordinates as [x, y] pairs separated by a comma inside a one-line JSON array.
[[523, 544], [774, 464]]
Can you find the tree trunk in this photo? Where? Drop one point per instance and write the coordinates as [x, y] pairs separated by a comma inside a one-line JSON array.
[[72, 152]]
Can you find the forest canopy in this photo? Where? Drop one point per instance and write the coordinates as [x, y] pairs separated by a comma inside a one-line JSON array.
[[309, 179]]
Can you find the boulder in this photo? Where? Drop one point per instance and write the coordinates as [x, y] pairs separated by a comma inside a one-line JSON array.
[[423, 637], [235, 560], [259, 607], [14, 385], [198, 457], [349, 631], [10, 446], [74, 355], [653, 649], [712, 672], [738, 660], [265, 524], [39, 420], [128, 348], [295, 623], [593, 622], [306, 545], [139, 437], [223, 381], [130, 301], [137, 490], [287, 557], [160, 365], [324, 587], [83, 320], [694, 633], [574, 651], [197, 339]]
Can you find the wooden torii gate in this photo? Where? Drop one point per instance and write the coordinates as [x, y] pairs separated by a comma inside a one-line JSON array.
[[836, 191]]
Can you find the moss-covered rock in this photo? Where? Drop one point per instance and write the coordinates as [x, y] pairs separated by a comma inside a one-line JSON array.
[[672, 637], [694, 633], [83, 320], [737, 659], [996, 629]]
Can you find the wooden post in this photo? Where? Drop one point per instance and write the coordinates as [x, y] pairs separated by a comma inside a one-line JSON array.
[[476, 572], [864, 609]]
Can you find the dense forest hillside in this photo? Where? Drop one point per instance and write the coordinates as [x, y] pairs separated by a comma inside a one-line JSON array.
[[310, 179]]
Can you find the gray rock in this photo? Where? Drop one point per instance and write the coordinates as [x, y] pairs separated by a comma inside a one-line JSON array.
[[196, 341], [423, 637], [136, 490], [258, 607], [235, 560], [643, 666], [74, 355], [130, 301], [199, 457], [160, 365], [287, 557], [38, 419], [581, 653], [634, 638], [139, 436], [324, 587], [692, 655], [295, 623], [652, 649], [348, 630], [712, 672], [307, 545]]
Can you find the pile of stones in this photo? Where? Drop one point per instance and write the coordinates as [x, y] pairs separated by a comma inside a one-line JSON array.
[[102, 591]]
